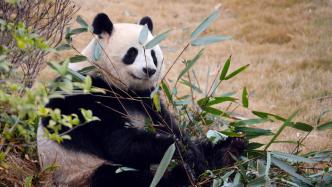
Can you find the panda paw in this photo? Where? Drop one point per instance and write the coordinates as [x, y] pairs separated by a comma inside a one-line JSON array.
[[164, 139], [225, 151]]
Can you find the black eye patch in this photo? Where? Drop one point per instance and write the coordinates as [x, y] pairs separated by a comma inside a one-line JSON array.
[[155, 61], [130, 56]]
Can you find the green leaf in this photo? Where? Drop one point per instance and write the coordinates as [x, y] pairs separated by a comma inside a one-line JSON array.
[[283, 126], [215, 111], [259, 181], [325, 126], [63, 47], [254, 145], [87, 70], [190, 85], [301, 126], [80, 21], [28, 181], [156, 40], [234, 73], [76, 75], [167, 91], [156, 101], [143, 35], [291, 157], [77, 31], [189, 64], [265, 115], [77, 58], [163, 165], [225, 68], [219, 100], [245, 101], [209, 40], [250, 122], [205, 24], [254, 132], [289, 169]]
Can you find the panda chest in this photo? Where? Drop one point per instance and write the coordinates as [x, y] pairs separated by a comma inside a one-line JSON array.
[[137, 119]]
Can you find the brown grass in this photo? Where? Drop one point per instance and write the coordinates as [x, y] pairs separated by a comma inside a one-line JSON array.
[[287, 42]]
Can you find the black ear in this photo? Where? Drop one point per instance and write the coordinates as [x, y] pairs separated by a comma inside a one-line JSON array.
[[148, 21], [102, 23]]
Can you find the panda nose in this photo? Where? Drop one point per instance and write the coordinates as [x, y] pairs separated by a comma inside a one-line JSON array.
[[149, 72]]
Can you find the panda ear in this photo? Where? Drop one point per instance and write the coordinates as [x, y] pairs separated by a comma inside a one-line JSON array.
[[147, 21], [102, 24]]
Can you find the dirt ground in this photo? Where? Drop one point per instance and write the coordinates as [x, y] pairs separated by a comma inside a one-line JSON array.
[[286, 42]]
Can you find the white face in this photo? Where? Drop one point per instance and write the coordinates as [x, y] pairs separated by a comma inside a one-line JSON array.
[[126, 60]]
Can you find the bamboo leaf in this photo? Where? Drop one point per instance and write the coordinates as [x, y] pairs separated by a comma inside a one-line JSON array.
[[189, 64], [291, 157], [205, 24], [80, 21], [163, 165], [143, 35], [77, 58], [245, 101], [157, 39], [289, 169], [167, 91], [63, 47], [156, 101], [325, 126], [209, 40], [225, 68], [234, 73], [301, 126]]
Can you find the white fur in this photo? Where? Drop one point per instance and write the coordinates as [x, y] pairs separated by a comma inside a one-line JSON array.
[[114, 48]]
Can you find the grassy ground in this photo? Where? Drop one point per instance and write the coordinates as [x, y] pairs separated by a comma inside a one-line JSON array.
[[286, 42]]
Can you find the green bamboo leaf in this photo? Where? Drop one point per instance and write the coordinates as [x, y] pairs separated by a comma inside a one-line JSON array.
[[225, 68], [189, 64], [245, 101], [301, 126], [87, 70], [77, 31], [259, 181], [289, 169], [234, 73], [215, 111], [80, 21], [157, 39], [250, 122], [190, 85], [163, 165], [167, 91], [283, 126], [254, 145], [63, 47], [265, 115], [254, 132], [291, 157], [205, 24], [156, 101], [77, 58], [209, 40], [143, 35], [28, 181], [77, 76], [325, 126]]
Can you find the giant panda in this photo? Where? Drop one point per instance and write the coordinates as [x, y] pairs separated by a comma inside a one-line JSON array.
[[119, 139]]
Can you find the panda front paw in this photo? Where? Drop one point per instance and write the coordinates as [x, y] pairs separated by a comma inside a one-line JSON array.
[[225, 151], [165, 139]]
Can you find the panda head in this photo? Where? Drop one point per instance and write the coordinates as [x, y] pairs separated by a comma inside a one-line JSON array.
[[121, 57]]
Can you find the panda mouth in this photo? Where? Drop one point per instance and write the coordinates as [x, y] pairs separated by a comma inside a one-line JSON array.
[[135, 77]]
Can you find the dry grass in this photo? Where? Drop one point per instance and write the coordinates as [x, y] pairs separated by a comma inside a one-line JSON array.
[[287, 42]]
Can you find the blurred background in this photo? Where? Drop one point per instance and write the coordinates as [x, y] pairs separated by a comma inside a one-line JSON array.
[[286, 42]]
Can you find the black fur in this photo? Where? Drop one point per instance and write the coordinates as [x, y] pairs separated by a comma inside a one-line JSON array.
[[111, 139], [147, 21], [102, 23], [130, 56], [155, 61]]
